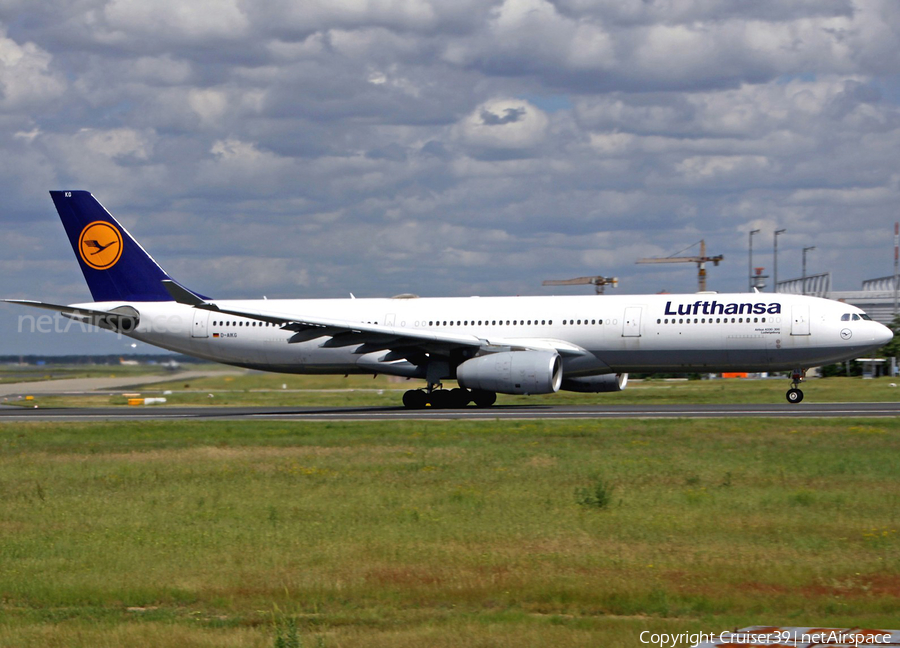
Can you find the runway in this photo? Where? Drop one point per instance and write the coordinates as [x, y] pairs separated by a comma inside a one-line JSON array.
[[518, 412]]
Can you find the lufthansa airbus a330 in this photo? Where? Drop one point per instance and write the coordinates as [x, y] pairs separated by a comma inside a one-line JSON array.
[[489, 345]]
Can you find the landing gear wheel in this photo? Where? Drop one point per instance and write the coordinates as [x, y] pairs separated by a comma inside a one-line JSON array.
[[794, 395], [441, 399], [483, 398], [415, 399], [460, 397]]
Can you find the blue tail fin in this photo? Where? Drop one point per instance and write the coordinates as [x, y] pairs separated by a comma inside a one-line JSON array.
[[115, 266]]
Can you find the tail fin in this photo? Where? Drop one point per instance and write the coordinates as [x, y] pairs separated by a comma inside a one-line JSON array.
[[115, 266]]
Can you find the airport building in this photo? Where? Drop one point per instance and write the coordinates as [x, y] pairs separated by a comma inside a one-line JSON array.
[[878, 297]]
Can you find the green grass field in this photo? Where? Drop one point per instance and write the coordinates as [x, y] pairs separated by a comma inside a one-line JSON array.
[[443, 533], [274, 390], [16, 374]]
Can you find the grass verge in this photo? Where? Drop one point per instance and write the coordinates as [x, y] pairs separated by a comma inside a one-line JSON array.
[[275, 390], [443, 533]]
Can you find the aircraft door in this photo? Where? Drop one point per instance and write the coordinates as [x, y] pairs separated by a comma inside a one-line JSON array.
[[800, 319], [200, 327], [631, 326]]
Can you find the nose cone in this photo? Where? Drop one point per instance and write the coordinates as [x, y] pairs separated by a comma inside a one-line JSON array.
[[883, 335]]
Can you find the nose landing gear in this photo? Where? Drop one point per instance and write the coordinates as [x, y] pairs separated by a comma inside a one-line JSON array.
[[794, 394]]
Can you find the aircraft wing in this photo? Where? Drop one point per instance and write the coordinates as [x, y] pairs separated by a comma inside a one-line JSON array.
[[346, 333], [372, 337], [375, 337]]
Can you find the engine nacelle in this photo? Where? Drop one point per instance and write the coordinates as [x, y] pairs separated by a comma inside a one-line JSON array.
[[512, 372], [596, 384]]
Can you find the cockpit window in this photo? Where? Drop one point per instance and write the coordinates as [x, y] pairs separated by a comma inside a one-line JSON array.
[[856, 317], [866, 317], [845, 317]]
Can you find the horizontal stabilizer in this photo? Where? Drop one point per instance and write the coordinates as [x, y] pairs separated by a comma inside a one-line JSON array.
[[122, 318]]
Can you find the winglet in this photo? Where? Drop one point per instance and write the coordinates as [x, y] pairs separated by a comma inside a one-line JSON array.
[[181, 294]]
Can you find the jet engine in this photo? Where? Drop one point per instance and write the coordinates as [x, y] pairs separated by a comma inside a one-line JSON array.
[[512, 372], [596, 384]]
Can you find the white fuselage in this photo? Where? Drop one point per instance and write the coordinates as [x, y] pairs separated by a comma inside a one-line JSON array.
[[630, 333]]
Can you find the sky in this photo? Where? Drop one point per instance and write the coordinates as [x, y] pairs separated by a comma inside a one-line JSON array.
[[314, 148]]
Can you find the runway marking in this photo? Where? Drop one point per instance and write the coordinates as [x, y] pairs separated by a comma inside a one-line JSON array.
[[508, 413]]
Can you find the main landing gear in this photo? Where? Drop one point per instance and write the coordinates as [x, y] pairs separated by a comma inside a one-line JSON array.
[[794, 394], [447, 398]]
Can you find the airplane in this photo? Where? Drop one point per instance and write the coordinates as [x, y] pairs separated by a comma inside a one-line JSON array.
[[489, 345]]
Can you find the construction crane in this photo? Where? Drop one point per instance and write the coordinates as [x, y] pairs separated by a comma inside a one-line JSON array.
[[598, 282], [701, 262]]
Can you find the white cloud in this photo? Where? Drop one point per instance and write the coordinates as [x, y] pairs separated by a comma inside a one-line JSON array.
[[715, 167], [26, 79], [287, 16], [116, 143], [504, 124], [209, 104], [175, 18]]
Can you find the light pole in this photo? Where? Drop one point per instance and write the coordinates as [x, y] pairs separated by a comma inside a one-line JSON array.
[[750, 271], [805, 250], [775, 282], [896, 266]]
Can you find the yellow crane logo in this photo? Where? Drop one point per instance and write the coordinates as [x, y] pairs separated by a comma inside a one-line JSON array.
[[100, 245]]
